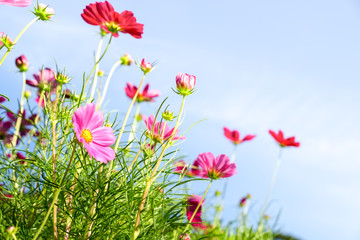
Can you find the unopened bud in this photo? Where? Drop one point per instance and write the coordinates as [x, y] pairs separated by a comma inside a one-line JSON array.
[[44, 12], [168, 115], [185, 83], [100, 73], [126, 60], [22, 63], [146, 67], [27, 94]]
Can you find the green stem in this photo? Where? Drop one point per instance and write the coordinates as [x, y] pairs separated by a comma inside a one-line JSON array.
[[107, 82], [197, 208], [18, 37], [133, 126], [123, 126], [149, 183], [97, 62], [96, 69], [56, 195]]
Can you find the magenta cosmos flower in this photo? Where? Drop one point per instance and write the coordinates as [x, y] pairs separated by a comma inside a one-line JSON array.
[[24, 124], [44, 80], [234, 136], [185, 83], [215, 168], [146, 67], [182, 168], [103, 14], [146, 95], [192, 203], [89, 131], [16, 3], [160, 131], [284, 142]]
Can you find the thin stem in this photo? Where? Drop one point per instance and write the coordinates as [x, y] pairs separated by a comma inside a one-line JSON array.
[[149, 183], [18, 37], [133, 126], [56, 195], [123, 126], [278, 162], [87, 233], [53, 123], [96, 69], [197, 208], [87, 80], [107, 82]]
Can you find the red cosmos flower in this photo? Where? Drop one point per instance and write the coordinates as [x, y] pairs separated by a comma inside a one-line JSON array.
[[192, 202], [146, 95], [284, 142], [103, 14], [215, 168], [234, 136]]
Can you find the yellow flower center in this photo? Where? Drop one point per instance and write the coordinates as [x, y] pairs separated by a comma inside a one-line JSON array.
[[86, 135]]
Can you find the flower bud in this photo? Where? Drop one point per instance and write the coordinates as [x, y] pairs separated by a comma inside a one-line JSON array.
[[185, 83], [5, 40], [11, 230], [168, 115], [185, 237], [267, 217], [62, 78], [27, 94], [44, 12], [146, 67], [126, 60], [217, 193], [100, 73], [22, 63]]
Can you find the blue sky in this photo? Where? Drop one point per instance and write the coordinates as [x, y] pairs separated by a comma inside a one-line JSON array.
[[260, 65]]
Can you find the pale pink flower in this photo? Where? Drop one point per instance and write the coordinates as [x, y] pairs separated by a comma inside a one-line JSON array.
[[192, 202], [16, 3], [5, 40], [89, 131], [44, 80], [44, 12], [160, 131], [22, 63], [185, 83], [215, 168]]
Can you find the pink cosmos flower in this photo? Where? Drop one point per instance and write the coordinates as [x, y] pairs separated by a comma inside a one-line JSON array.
[[215, 168], [146, 95], [184, 237], [146, 67], [182, 168], [103, 14], [18, 156], [284, 142], [16, 3], [44, 80], [192, 203], [244, 200], [234, 136], [89, 131], [160, 131], [185, 83]]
